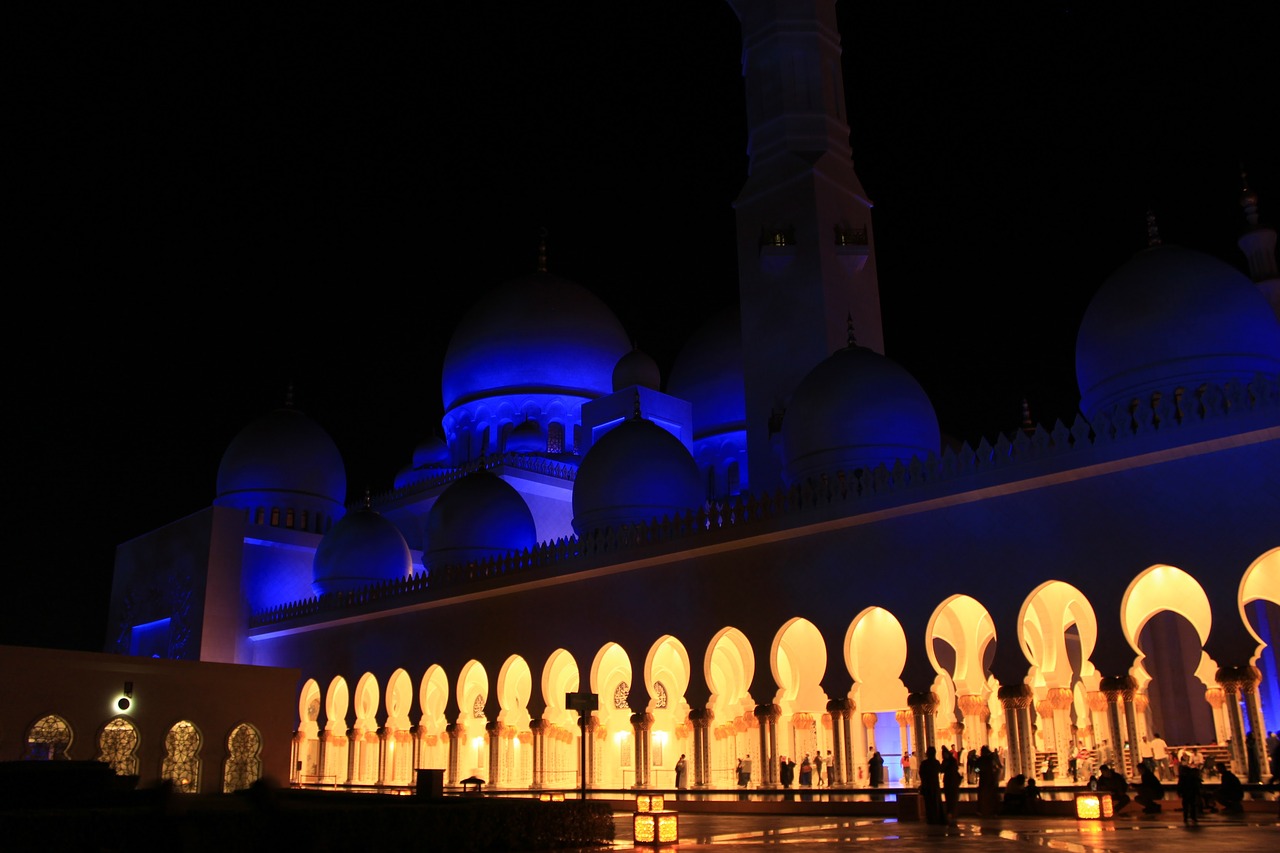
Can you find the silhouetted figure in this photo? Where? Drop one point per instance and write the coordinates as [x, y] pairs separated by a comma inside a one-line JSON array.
[[876, 769], [951, 778], [988, 782], [1230, 793], [1114, 784], [930, 787], [1189, 791], [681, 770], [1150, 790], [786, 771], [1015, 796]]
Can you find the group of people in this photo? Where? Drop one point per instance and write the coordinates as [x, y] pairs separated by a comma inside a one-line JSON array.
[[940, 780], [814, 773]]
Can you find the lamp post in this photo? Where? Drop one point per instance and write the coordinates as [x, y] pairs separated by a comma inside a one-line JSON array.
[[583, 703]]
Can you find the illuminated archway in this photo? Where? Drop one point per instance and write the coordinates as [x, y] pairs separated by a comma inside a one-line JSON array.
[[398, 761], [666, 673], [337, 746], [364, 741], [960, 642], [515, 686], [798, 660], [306, 745], [875, 649], [472, 696], [611, 679], [433, 699], [560, 739], [728, 668]]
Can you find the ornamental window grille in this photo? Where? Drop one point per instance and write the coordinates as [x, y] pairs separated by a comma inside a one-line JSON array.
[[555, 437], [275, 516], [243, 766], [118, 746], [181, 764], [620, 694], [48, 738], [659, 695], [477, 707]]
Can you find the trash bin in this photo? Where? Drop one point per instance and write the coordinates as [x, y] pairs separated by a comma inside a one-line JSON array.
[[430, 783]]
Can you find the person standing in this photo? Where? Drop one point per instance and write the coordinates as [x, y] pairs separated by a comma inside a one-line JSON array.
[[1160, 752], [817, 768], [906, 769], [1189, 791], [876, 768], [831, 771], [951, 778], [930, 792], [806, 772], [681, 769], [988, 782]]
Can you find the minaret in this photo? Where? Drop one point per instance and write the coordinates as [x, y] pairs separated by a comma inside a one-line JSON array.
[[806, 259], [1259, 247]]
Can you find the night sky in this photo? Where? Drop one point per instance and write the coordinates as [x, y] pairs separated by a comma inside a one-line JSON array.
[[213, 205]]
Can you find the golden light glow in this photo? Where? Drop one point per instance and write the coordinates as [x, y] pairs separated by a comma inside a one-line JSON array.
[[1093, 806], [649, 802], [655, 828], [551, 797]]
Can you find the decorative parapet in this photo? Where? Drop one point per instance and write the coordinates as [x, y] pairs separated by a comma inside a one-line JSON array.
[[847, 492], [521, 461]]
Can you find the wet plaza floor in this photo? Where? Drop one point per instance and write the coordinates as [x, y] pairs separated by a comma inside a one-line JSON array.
[[1252, 831]]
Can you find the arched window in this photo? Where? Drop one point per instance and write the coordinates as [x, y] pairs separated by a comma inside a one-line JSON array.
[[118, 746], [48, 738], [555, 437], [181, 764], [244, 759]]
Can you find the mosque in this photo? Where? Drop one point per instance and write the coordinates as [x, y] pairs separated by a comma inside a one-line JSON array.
[[594, 569]]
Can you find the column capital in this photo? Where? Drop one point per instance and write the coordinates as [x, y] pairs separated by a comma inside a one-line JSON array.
[[841, 707], [925, 701], [1015, 696], [1237, 677]]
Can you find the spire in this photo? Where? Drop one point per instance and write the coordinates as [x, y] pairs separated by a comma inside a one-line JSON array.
[[1258, 243], [542, 249], [1028, 425], [368, 499], [288, 396], [1153, 230], [851, 341], [635, 415]]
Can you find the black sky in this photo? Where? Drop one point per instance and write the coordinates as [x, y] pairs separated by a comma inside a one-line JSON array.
[[212, 204]]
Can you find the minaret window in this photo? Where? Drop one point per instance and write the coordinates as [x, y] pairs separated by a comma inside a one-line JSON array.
[[275, 516], [555, 437], [289, 518]]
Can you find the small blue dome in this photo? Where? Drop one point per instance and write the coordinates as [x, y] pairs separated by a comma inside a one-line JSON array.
[[431, 451], [637, 368], [636, 472], [856, 410], [363, 548], [283, 459], [527, 437], [1172, 318], [476, 518]]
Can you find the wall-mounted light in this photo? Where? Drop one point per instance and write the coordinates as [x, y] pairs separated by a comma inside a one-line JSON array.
[[125, 701]]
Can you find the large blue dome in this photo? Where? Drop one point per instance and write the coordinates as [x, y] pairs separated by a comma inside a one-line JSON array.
[[539, 334], [477, 517], [856, 410], [286, 460], [1172, 318], [708, 373], [635, 472], [362, 549]]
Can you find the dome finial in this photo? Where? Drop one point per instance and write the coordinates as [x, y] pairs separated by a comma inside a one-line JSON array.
[[852, 340], [288, 396], [542, 249], [1028, 426], [368, 499], [635, 415], [1153, 230]]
